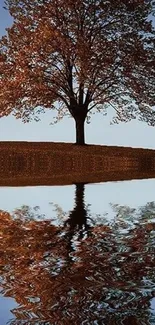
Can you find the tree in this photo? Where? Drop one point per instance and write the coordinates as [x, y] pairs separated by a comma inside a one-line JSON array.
[[106, 277], [77, 56]]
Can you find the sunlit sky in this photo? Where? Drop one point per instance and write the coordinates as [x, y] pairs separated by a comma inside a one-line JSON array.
[[134, 133], [131, 193]]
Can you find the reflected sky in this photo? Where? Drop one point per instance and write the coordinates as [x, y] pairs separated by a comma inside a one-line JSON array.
[[133, 193], [6, 305], [94, 256]]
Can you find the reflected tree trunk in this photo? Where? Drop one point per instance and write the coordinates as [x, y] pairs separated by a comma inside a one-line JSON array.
[[77, 223]]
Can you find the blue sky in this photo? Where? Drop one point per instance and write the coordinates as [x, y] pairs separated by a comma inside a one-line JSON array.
[[133, 193], [133, 134]]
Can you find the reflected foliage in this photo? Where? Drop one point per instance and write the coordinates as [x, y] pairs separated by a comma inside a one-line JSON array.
[[82, 270]]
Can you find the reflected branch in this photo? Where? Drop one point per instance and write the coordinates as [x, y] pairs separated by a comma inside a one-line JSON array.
[[110, 273]]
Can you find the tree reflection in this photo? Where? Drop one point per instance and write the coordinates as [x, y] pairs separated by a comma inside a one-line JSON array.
[[76, 226], [80, 272], [78, 220]]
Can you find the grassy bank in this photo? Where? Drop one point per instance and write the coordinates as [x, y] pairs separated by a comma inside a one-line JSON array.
[[51, 163], [70, 147]]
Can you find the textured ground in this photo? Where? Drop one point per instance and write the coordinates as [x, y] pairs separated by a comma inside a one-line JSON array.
[[51, 163]]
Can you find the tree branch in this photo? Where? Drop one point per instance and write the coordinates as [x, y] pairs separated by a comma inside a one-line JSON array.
[[81, 93]]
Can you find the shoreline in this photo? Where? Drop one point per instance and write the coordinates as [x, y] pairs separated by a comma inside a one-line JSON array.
[[55, 163], [68, 146]]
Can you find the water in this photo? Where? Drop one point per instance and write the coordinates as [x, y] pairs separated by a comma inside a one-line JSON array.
[[80, 254]]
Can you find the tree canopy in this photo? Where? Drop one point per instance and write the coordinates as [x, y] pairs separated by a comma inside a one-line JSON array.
[[78, 56], [57, 276]]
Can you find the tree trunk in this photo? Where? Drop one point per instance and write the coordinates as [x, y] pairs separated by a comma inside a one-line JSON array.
[[80, 136]]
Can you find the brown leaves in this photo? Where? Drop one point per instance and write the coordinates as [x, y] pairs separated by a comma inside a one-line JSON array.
[[105, 273], [98, 41]]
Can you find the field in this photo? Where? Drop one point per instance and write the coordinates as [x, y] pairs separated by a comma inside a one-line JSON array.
[[51, 163]]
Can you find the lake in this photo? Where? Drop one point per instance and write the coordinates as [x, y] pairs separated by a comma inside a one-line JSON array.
[[78, 254]]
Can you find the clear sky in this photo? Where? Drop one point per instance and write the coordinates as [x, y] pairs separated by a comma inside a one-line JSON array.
[[134, 134], [132, 193]]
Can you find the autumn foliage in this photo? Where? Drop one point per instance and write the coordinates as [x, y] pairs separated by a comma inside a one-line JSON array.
[[84, 269], [77, 56]]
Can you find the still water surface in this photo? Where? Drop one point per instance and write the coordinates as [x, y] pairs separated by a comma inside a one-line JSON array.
[[80, 254]]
